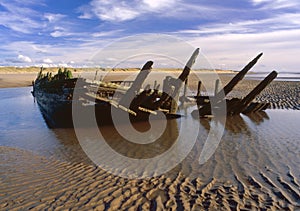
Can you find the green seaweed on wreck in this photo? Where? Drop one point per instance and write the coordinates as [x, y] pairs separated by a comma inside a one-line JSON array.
[[55, 83]]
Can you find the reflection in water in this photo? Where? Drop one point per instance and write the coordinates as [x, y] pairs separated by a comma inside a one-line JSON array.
[[141, 151], [237, 124], [258, 117]]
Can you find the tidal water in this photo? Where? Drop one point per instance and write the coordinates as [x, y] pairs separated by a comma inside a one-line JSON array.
[[282, 76], [249, 144]]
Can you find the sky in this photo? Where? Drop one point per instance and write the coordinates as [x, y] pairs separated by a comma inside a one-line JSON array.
[[229, 33]]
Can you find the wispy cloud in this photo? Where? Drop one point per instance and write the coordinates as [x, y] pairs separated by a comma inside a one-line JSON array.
[[278, 22], [18, 18], [118, 11], [276, 4], [52, 18], [106, 33]]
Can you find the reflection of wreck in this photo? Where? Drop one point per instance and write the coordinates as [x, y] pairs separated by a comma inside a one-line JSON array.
[[208, 105], [57, 95]]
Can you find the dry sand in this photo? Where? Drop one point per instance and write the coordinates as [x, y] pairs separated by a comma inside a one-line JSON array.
[[30, 181]]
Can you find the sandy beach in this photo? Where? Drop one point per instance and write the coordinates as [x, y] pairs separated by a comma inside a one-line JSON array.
[[252, 169]]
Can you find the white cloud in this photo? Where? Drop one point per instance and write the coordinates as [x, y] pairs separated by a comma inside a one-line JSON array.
[[106, 33], [159, 4], [47, 61], [113, 10], [256, 2], [279, 22], [276, 4], [118, 11], [61, 33], [53, 17], [23, 58]]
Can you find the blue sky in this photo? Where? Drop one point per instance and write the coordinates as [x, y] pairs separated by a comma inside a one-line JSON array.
[[229, 33]]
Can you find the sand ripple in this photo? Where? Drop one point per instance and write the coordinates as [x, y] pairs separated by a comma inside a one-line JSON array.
[[29, 181]]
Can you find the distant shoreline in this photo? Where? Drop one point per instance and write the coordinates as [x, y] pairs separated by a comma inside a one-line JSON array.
[[17, 70], [22, 77]]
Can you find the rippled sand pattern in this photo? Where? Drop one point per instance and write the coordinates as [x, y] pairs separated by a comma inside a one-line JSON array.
[[33, 181]]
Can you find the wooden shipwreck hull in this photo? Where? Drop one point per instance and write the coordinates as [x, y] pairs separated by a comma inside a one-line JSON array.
[[56, 97]]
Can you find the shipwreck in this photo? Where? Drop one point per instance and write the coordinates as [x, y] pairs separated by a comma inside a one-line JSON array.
[[55, 96]]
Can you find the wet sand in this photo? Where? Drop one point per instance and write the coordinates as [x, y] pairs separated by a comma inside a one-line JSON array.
[[33, 181], [8, 80], [254, 168]]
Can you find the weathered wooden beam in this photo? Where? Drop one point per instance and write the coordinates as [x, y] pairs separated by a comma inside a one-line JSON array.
[[172, 86], [217, 86], [155, 84], [199, 89], [186, 71], [136, 85], [244, 103], [238, 77], [185, 87], [182, 77], [184, 98]]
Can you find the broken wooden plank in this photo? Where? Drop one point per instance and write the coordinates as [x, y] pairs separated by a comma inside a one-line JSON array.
[[94, 97]]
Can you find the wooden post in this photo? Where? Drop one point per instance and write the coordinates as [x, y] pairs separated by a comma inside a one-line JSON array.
[[155, 84], [217, 86], [199, 89], [95, 75], [185, 87]]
